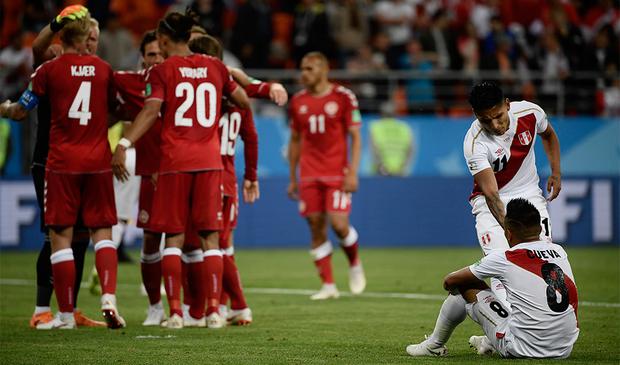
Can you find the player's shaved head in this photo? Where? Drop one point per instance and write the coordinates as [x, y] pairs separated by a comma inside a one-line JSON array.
[[76, 31], [522, 221], [314, 70], [317, 56], [208, 45]]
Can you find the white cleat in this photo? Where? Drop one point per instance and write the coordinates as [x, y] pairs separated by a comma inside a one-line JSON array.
[[481, 344], [108, 307], [357, 279], [60, 321], [175, 322], [193, 322], [185, 310], [425, 348], [214, 320], [240, 317], [155, 315], [327, 291]]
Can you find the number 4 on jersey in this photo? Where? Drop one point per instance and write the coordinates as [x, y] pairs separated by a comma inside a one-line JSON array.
[[80, 107]]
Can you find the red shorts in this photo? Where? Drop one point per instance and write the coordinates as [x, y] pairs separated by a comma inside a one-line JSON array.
[[192, 239], [145, 205], [323, 196], [91, 196], [231, 212], [187, 195]]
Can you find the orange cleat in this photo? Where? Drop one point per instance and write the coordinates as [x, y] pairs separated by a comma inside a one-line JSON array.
[[82, 321], [43, 317]]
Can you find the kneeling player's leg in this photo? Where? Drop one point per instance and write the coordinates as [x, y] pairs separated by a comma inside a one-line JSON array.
[[545, 222], [486, 309]]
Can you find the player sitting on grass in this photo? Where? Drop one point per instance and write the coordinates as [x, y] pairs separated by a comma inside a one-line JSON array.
[[542, 319]]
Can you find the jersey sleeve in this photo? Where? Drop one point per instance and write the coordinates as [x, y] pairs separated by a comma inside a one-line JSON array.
[[38, 81], [492, 265], [541, 118], [295, 125], [155, 86], [475, 155], [250, 145], [353, 118]]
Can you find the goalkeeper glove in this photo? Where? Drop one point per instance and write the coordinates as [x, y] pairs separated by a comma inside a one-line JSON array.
[[68, 14]]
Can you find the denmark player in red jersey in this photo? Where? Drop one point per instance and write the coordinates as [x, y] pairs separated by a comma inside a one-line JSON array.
[[131, 86], [323, 116], [78, 179], [188, 89]]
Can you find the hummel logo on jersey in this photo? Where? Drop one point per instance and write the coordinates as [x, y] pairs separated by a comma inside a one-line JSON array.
[[84, 70], [525, 138], [193, 73]]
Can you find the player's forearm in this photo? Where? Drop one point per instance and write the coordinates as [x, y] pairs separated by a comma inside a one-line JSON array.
[[240, 77], [496, 206], [144, 121], [356, 152], [250, 154], [551, 144], [240, 98], [14, 111], [293, 159], [41, 43]]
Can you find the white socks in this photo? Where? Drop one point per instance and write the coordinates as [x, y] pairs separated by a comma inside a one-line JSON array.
[[451, 314]]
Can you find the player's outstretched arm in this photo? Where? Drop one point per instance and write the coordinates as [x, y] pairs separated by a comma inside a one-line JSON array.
[[240, 98], [351, 181], [14, 111], [551, 144], [258, 89], [294, 151], [486, 180], [144, 121]]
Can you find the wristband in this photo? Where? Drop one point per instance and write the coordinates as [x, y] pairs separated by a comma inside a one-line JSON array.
[[124, 142], [28, 100]]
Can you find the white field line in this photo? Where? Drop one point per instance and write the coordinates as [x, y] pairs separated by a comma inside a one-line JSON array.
[[307, 292]]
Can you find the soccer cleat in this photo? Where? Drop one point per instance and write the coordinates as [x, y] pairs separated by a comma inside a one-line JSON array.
[[175, 322], [60, 321], [110, 313], [223, 309], [82, 321], [240, 317], [214, 320], [155, 315], [425, 348], [93, 282], [357, 279], [327, 291], [42, 317], [193, 322], [481, 344], [185, 310]]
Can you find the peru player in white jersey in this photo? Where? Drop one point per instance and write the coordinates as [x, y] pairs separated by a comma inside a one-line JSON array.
[[499, 151], [542, 319]]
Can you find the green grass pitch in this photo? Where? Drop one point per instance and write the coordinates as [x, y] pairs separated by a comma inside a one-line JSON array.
[[290, 329]]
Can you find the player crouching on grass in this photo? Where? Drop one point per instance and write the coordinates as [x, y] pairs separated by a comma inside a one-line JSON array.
[[542, 319], [78, 177]]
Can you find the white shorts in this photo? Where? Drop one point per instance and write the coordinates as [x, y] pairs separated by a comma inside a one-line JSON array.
[[126, 193], [493, 317], [491, 234]]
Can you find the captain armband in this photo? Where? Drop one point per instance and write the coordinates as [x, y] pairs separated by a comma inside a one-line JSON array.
[[28, 100]]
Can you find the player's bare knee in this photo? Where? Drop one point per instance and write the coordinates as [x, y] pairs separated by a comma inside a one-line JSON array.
[[151, 242]]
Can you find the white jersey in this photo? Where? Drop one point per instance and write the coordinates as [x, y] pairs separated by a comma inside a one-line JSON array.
[[541, 290], [511, 155]]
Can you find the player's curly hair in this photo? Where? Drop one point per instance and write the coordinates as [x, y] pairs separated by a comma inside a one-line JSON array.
[[76, 31], [208, 45], [522, 217], [177, 26], [485, 95]]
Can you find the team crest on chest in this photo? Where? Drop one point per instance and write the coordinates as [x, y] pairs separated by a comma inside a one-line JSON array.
[[331, 108], [303, 109], [525, 138]]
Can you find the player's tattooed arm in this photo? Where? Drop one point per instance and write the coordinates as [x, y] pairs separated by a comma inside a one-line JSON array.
[[351, 180], [551, 144], [487, 183], [294, 151]]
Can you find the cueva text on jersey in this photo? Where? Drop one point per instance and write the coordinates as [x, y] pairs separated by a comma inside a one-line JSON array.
[[546, 254], [193, 73], [82, 70]]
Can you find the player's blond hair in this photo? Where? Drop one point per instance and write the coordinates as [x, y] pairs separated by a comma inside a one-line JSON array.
[[76, 31]]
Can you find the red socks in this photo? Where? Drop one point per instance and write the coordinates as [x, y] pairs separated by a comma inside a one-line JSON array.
[[213, 276], [232, 283], [350, 246], [171, 271], [150, 265], [106, 262], [63, 271], [323, 262], [194, 293]]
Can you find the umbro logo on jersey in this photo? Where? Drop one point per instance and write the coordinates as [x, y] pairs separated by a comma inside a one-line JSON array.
[[331, 108], [499, 152], [303, 109], [525, 138]]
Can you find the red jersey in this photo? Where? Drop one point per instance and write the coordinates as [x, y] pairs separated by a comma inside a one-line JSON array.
[[131, 86], [79, 127], [191, 89], [323, 123], [237, 122]]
